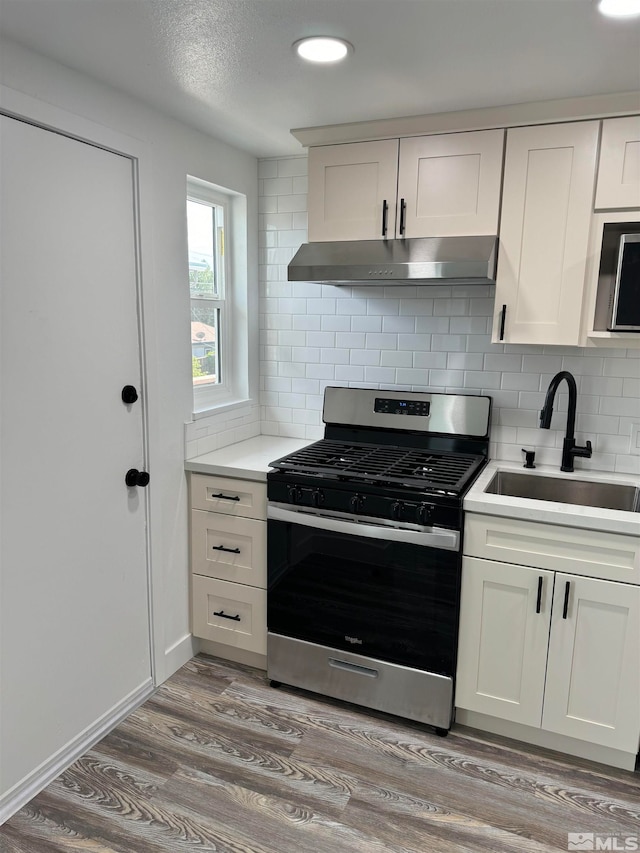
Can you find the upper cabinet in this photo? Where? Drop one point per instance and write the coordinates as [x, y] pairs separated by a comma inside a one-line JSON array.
[[427, 186], [352, 191], [450, 184], [619, 167], [547, 208]]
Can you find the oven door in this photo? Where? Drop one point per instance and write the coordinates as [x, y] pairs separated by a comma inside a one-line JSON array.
[[382, 592]]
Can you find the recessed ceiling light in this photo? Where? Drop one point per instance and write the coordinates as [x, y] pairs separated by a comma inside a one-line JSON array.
[[619, 8], [322, 48]]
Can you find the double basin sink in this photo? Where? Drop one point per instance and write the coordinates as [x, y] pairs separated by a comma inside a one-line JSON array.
[[568, 491]]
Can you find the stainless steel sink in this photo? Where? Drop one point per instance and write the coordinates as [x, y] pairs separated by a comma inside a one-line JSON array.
[[566, 491]]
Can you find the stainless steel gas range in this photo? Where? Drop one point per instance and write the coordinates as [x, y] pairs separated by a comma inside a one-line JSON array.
[[365, 550]]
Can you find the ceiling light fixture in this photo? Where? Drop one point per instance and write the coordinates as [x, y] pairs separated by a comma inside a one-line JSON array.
[[619, 8], [322, 48]]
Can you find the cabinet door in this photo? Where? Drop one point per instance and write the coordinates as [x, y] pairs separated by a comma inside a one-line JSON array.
[[546, 214], [349, 186], [450, 184], [504, 634], [619, 167], [592, 688]]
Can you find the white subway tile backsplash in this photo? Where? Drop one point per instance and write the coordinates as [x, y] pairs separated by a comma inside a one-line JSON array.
[[290, 167], [415, 343], [335, 323], [410, 336], [396, 358], [380, 375], [366, 323], [349, 373], [351, 340], [430, 360], [436, 325]]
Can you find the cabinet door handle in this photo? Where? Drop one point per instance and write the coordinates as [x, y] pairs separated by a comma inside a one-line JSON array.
[[226, 615], [565, 608], [539, 598], [403, 209], [503, 317], [222, 548], [226, 497], [385, 210]]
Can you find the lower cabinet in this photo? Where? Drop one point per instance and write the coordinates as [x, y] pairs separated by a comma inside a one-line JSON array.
[[229, 563], [555, 651]]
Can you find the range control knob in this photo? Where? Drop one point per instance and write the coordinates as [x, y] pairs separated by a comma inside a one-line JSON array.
[[397, 510], [355, 503], [424, 513], [317, 497], [293, 492]]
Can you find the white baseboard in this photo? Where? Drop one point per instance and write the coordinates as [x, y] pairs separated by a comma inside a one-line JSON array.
[[178, 654], [220, 650], [25, 790], [549, 740]]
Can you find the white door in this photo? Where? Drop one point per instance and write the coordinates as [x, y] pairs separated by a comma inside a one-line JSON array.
[[352, 191], [74, 639], [593, 675], [505, 613]]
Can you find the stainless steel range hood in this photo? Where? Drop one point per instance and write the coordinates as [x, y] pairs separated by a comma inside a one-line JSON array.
[[423, 260]]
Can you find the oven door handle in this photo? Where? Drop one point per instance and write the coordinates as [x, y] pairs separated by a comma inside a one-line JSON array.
[[435, 538]]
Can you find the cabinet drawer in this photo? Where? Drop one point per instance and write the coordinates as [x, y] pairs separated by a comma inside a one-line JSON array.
[[230, 496], [592, 553], [232, 549], [230, 613]]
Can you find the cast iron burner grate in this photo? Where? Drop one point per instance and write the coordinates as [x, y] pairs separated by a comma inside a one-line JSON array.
[[388, 464]]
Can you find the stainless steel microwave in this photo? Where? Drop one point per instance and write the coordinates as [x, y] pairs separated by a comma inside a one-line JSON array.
[[618, 301], [625, 310]]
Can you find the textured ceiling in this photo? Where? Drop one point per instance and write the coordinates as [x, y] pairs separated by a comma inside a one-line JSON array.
[[227, 67]]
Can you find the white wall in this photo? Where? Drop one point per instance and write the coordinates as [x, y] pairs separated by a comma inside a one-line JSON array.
[[420, 338], [172, 152]]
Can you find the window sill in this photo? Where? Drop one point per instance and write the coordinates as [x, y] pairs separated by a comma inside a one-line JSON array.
[[221, 408]]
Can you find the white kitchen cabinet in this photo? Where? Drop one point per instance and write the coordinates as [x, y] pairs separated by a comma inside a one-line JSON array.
[[592, 689], [547, 204], [556, 651], [619, 165], [449, 184], [352, 189], [428, 186], [504, 637], [229, 562]]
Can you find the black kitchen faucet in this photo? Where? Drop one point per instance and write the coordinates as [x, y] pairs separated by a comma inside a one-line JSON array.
[[569, 447]]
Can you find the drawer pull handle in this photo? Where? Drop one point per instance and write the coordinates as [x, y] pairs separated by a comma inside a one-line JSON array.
[[539, 598], [228, 550], [355, 668], [226, 615], [503, 317], [565, 608], [226, 497]]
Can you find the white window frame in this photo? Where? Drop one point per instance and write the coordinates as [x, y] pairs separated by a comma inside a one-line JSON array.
[[233, 389]]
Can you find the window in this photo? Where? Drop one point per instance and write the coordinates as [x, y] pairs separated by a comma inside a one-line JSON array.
[[217, 290]]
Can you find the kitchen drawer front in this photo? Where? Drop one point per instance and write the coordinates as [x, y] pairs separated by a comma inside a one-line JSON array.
[[231, 549], [242, 498], [591, 553], [230, 613]]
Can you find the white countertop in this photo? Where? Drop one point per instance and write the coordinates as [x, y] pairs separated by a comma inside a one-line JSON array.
[[247, 460], [592, 518]]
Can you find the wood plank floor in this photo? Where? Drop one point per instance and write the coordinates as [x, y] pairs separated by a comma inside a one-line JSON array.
[[219, 761]]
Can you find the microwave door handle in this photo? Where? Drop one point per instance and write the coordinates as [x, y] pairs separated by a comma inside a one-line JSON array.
[[436, 538]]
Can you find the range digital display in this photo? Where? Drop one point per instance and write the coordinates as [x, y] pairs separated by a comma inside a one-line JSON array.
[[417, 408]]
